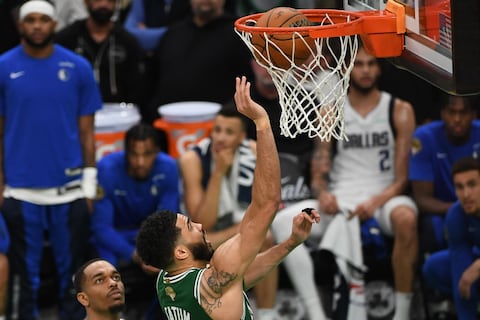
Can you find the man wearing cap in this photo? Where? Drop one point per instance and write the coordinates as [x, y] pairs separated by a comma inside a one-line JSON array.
[[48, 97]]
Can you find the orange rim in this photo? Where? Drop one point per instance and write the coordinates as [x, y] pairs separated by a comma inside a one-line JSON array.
[[382, 31], [348, 21]]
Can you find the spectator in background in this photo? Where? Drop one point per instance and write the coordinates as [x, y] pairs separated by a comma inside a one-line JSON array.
[[217, 182], [69, 12], [48, 97], [245, 7], [133, 184], [199, 58], [148, 20], [435, 147], [455, 271], [114, 53], [100, 290]]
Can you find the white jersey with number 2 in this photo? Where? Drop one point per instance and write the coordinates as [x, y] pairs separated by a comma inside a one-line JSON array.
[[364, 165]]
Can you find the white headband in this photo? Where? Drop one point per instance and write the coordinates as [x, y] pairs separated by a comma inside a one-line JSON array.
[[37, 6]]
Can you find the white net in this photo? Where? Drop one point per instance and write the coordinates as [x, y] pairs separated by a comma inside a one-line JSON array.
[[312, 92]]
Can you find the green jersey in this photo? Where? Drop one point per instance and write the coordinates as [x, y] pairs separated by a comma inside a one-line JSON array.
[[179, 296]]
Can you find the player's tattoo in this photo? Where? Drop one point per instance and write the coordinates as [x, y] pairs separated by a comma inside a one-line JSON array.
[[213, 289]]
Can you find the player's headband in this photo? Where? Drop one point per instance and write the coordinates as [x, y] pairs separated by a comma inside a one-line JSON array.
[[37, 6]]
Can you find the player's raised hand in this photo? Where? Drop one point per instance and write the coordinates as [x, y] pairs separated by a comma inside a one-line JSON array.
[[246, 105]]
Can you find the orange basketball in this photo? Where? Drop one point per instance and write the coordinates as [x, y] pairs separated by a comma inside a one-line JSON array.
[[292, 46]]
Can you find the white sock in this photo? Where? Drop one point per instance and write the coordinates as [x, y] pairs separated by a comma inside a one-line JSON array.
[[265, 314], [402, 305], [299, 267]]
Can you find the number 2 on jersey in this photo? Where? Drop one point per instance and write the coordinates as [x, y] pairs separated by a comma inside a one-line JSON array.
[[384, 160]]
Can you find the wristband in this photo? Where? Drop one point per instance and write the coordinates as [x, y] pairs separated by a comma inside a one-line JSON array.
[[89, 182]]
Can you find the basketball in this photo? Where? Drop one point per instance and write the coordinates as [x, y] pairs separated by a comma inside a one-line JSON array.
[[296, 47]]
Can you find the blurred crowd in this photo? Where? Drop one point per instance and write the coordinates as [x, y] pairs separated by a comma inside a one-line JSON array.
[[392, 183]]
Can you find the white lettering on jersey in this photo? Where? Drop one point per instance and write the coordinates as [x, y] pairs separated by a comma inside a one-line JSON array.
[[247, 166], [292, 190], [175, 313], [367, 140]]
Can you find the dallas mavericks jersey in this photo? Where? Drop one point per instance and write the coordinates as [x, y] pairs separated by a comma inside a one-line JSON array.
[[42, 142], [364, 164], [179, 296]]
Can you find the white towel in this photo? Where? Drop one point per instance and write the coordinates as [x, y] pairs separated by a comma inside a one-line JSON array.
[[228, 201], [343, 239]]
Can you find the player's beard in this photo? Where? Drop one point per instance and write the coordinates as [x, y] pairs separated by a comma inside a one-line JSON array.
[[39, 45], [363, 89], [202, 251]]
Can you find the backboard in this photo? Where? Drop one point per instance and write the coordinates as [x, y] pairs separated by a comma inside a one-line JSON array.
[[442, 42]]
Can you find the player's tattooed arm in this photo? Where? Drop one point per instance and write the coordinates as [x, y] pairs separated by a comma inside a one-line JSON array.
[[213, 288]]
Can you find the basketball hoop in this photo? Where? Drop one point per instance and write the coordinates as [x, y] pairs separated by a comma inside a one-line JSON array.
[[312, 93]]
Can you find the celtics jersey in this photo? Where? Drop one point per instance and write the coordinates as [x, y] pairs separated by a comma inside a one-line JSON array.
[[179, 296]]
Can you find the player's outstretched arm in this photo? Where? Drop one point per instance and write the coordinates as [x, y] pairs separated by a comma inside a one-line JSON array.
[[221, 289], [235, 255], [267, 260]]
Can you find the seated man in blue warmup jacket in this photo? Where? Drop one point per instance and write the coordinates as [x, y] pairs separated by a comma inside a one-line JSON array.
[[436, 146], [133, 184], [456, 270]]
